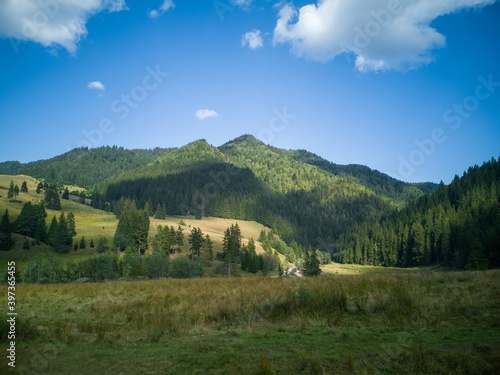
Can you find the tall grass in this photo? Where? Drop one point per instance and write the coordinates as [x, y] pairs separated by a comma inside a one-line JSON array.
[[123, 313]]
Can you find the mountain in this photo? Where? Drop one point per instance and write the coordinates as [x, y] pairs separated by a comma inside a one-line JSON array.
[[305, 199], [458, 226], [398, 191], [84, 167], [245, 179]]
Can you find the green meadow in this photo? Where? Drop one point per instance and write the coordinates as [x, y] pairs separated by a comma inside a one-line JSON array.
[[414, 323]]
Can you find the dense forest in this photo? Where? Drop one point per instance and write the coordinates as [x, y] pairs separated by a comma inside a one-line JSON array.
[[247, 180], [458, 226], [84, 167]]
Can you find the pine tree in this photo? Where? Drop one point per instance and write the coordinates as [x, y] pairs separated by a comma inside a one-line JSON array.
[[39, 188], [311, 264], [195, 240], [62, 238], [6, 241], [52, 231], [91, 243], [179, 237], [83, 245], [52, 198], [11, 192], [24, 187], [65, 194], [71, 224], [208, 247]]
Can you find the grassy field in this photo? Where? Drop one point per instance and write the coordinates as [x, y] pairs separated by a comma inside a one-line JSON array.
[[93, 224], [416, 323]]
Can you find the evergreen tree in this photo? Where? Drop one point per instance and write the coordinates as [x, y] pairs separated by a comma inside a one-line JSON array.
[[179, 237], [133, 228], [71, 224], [62, 237], [11, 192], [24, 187], [311, 264], [83, 245], [251, 245], [195, 240], [91, 243], [65, 194], [231, 244], [52, 231], [208, 247], [39, 188], [52, 198], [6, 241]]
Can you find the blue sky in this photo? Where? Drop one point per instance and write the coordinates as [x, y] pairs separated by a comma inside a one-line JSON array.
[[410, 88]]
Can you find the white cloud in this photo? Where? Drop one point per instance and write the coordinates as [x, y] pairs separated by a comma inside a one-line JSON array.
[[96, 85], [253, 39], [382, 34], [202, 114], [53, 22], [167, 5]]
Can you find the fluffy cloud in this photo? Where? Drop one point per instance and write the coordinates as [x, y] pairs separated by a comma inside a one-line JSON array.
[[96, 85], [51, 22], [253, 39], [382, 34], [167, 4], [202, 114]]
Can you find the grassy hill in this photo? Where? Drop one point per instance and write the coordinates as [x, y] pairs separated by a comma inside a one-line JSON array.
[[93, 224]]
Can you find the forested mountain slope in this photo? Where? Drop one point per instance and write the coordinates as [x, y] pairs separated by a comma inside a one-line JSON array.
[[458, 226], [398, 191], [245, 179], [85, 167]]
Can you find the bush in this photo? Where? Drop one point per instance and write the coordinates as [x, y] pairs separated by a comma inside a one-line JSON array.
[[183, 268]]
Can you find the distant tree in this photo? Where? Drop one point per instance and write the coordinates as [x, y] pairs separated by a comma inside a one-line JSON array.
[[75, 246], [63, 240], [65, 194], [102, 244], [31, 221], [179, 237], [159, 213], [24, 187], [195, 240], [311, 264], [6, 241], [231, 245], [251, 245], [83, 245], [208, 247], [71, 224], [91, 243], [132, 230], [39, 188], [52, 198], [11, 192], [52, 231]]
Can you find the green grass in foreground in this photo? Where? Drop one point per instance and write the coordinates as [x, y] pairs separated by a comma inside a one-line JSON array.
[[370, 324]]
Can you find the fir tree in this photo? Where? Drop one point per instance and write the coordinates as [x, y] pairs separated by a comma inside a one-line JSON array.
[[83, 245], [24, 187], [311, 264], [52, 198], [6, 241], [71, 224], [62, 237], [208, 247], [52, 231], [65, 194]]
